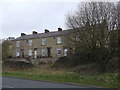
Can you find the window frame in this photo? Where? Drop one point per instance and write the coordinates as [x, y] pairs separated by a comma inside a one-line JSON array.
[[17, 53], [18, 44], [58, 40], [44, 41], [44, 52], [30, 42], [77, 38], [30, 52], [65, 51], [57, 51]]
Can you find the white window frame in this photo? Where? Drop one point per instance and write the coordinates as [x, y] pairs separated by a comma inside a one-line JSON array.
[[58, 40], [65, 52], [44, 52], [17, 53], [57, 51], [43, 41], [30, 52], [30, 42], [18, 44]]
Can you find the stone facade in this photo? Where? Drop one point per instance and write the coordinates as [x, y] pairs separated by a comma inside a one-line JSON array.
[[48, 45]]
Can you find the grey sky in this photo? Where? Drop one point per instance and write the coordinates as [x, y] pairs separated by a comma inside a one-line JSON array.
[[26, 17]]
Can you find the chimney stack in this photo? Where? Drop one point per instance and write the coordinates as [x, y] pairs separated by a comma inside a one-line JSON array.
[[59, 29], [34, 32], [23, 34], [46, 31]]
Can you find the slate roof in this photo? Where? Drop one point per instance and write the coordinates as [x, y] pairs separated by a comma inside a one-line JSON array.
[[42, 35]]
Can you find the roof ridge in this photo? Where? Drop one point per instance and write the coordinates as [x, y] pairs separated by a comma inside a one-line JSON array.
[[47, 32], [41, 35]]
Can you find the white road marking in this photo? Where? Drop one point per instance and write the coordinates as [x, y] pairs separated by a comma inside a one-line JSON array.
[[6, 86]]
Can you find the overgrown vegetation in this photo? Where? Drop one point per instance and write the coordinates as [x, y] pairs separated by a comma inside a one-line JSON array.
[[109, 80], [6, 50], [86, 63], [16, 65], [95, 58], [95, 37]]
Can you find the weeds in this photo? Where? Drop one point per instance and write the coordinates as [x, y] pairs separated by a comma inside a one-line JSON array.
[[109, 80]]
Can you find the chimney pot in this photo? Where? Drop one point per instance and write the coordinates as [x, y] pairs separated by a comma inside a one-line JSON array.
[[46, 31], [59, 29], [34, 32], [23, 34]]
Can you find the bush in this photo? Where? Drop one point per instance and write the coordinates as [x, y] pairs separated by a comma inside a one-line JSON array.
[[17, 64], [41, 63], [85, 56], [112, 65], [99, 55], [63, 62], [90, 68]]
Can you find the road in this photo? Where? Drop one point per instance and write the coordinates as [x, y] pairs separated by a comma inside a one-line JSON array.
[[8, 82]]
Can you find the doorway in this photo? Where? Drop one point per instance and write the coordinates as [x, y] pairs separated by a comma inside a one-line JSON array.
[[35, 52], [22, 53], [49, 51]]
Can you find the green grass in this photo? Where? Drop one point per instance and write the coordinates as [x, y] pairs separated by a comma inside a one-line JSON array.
[[109, 80], [0, 68]]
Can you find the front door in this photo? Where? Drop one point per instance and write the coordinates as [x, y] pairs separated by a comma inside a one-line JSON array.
[[35, 52], [49, 51], [22, 53]]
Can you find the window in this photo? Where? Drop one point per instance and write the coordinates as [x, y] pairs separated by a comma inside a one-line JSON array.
[[77, 37], [44, 52], [65, 52], [18, 44], [17, 53], [30, 42], [44, 41], [30, 52], [59, 51], [59, 40]]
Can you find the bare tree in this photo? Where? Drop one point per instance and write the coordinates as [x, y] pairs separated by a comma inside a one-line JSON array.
[[92, 23]]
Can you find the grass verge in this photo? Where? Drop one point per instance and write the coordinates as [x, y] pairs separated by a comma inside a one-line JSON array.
[[109, 80]]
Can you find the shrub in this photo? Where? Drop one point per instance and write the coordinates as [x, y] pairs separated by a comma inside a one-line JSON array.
[[90, 68], [63, 62], [85, 56], [41, 63], [112, 65], [17, 64], [8, 63], [23, 65]]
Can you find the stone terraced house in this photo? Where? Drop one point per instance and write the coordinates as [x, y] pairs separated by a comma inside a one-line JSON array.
[[42, 45]]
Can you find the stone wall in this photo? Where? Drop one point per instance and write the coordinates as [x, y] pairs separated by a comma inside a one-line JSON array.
[[37, 43], [37, 61]]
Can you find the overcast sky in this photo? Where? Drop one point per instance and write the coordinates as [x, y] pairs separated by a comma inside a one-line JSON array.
[[19, 17], [24, 16]]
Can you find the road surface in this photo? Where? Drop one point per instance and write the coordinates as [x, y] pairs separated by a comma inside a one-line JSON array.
[[9, 82]]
